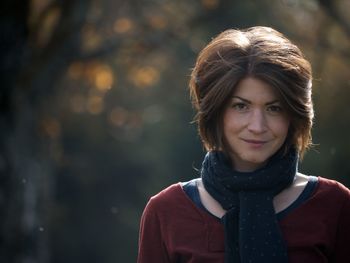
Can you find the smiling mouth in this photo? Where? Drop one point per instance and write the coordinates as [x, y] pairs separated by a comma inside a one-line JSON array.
[[255, 142]]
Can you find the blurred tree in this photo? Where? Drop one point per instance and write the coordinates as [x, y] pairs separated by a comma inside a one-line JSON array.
[[38, 40], [333, 9], [13, 34]]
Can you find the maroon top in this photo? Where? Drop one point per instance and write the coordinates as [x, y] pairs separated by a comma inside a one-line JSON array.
[[174, 229]]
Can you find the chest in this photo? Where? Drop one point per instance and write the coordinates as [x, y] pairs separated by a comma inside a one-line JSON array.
[[309, 238]]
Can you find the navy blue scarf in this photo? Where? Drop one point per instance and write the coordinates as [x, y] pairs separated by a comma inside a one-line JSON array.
[[252, 232]]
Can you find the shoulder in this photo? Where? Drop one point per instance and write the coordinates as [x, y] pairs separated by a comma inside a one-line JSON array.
[[171, 196], [333, 194], [328, 186], [168, 193]]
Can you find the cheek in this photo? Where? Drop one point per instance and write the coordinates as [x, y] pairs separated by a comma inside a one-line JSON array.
[[282, 127], [231, 124], [226, 122]]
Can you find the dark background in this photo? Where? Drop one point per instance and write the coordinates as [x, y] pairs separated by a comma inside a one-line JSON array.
[[95, 115]]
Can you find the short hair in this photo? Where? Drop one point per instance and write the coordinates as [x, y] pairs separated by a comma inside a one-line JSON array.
[[258, 52]]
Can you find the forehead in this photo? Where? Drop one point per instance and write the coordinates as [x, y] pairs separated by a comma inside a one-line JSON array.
[[255, 89]]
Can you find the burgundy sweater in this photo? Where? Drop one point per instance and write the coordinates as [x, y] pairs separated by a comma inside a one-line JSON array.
[[174, 229]]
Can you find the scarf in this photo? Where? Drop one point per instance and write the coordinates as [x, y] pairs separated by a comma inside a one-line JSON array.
[[252, 232]]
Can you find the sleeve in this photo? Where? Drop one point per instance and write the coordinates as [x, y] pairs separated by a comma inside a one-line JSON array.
[[341, 249], [151, 244]]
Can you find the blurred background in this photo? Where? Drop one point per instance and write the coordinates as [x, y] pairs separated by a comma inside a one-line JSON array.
[[95, 115]]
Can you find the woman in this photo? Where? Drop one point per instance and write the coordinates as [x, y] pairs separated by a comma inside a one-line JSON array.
[[252, 91]]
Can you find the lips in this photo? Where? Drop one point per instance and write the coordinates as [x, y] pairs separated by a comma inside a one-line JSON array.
[[255, 143]]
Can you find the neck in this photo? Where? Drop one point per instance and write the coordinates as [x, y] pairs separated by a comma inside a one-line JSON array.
[[245, 167]]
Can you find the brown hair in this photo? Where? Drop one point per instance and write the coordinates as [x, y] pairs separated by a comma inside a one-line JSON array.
[[262, 53]]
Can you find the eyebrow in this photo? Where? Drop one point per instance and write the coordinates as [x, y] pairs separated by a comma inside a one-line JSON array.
[[248, 101]]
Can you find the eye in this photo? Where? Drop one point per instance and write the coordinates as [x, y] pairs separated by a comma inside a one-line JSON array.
[[274, 108], [240, 106]]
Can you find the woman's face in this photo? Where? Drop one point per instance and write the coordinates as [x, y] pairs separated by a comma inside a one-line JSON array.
[[255, 124]]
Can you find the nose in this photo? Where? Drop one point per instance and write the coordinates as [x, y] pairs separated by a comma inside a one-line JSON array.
[[257, 122]]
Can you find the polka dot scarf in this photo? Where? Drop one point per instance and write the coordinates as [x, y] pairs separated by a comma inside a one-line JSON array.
[[252, 232]]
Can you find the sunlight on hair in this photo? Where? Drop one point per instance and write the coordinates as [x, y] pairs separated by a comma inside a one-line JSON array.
[[242, 40]]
